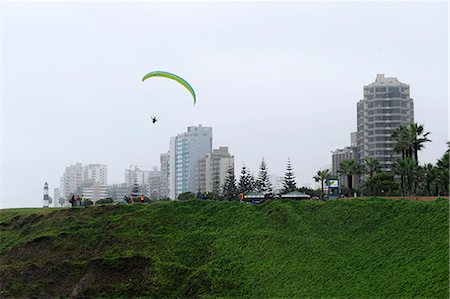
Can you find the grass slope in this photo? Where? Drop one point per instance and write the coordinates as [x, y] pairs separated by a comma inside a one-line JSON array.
[[351, 248]]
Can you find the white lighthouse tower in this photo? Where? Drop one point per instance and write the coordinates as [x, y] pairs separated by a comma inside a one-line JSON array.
[[46, 195]]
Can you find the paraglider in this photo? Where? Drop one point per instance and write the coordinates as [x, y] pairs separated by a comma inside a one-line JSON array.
[[173, 77]]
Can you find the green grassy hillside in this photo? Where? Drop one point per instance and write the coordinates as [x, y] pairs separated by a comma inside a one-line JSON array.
[[348, 248]]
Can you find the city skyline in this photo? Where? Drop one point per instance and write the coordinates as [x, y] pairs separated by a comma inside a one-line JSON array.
[[274, 80]]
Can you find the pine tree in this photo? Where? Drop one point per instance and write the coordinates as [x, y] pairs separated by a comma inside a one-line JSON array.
[[229, 186], [136, 188], [216, 182], [245, 184], [289, 184], [263, 184]]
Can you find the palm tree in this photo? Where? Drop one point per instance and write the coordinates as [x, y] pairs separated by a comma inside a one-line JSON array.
[[322, 176], [430, 174], [350, 168], [400, 135], [408, 169], [443, 166], [372, 166], [399, 168], [417, 138]]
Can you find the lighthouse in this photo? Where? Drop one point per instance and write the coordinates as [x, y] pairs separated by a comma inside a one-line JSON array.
[[45, 195]]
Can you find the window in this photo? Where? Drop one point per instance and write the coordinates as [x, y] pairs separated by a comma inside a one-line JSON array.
[[393, 89], [379, 103]]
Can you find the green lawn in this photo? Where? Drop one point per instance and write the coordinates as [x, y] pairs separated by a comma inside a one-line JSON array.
[[345, 248]]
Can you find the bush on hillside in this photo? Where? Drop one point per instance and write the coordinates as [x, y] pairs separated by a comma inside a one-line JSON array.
[[381, 184], [186, 196], [104, 201]]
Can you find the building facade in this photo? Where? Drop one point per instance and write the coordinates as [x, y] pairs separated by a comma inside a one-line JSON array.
[[71, 179], [164, 180], [138, 176], [185, 151], [340, 155], [96, 172], [89, 180], [118, 191], [385, 106], [93, 190], [58, 199], [212, 170], [153, 184]]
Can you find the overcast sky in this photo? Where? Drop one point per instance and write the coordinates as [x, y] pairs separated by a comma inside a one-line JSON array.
[[273, 80]]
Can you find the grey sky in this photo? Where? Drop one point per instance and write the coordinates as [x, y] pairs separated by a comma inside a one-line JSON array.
[[274, 80]]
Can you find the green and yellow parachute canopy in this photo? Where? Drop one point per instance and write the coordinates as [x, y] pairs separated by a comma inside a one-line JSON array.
[[173, 77]]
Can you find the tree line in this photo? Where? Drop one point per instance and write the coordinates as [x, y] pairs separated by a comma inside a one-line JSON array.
[[408, 177]]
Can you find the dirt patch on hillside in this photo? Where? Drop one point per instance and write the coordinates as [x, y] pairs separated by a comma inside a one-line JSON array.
[[125, 276]]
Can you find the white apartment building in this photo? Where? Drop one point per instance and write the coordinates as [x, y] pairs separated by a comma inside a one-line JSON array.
[[212, 170], [385, 106], [58, 200], [89, 180], [164, 180], [93, 190], [71, 179], [185, 150], [154, 184], [96, 172], [137, 175]]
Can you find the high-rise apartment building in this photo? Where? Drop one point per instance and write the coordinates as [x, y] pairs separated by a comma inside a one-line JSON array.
[[164, 180], [212, 170], [185, 151], [95, 179], [89, 181], [154, 184], [96, 172], [93, 190], [138, 176], [71, 179], [385, 106]]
